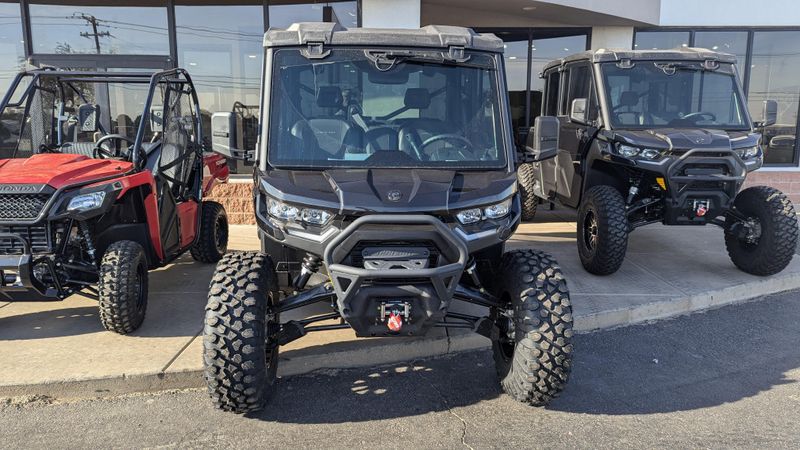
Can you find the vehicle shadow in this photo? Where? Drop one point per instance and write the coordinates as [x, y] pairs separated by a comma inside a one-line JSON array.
[[399, 390], [696, 362], [177, 298]]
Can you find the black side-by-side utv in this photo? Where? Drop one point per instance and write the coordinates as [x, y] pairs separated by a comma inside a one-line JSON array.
[[386, 189], [657, 137]]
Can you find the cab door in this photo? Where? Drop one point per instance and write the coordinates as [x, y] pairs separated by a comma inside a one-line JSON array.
[[577, 83], [547, 169]]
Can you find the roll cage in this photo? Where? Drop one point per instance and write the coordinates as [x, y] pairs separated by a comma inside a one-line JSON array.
[[152, 79]]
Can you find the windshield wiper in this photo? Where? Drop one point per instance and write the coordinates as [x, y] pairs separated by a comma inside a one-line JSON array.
[[385, 60]]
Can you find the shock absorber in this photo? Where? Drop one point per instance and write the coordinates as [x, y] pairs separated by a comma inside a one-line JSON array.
[[311, 264], [635, 181], [86, 233]]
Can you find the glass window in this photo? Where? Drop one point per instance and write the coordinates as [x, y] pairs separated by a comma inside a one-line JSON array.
[[12, 53], [668, 94], [221, 47], [131, 27], [516, 61], [50, 114], [661, 40], [553, 82], [773, 76], [581, 86], [344, 111], [733, 42], [544, 51], [344, 13]]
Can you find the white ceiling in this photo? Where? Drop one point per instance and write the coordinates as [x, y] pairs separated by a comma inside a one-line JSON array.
[[524, 13]]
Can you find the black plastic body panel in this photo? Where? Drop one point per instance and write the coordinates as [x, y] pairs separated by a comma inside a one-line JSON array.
[[429, 290]]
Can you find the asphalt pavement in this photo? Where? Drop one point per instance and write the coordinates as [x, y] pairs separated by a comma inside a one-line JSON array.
[[721, 379]]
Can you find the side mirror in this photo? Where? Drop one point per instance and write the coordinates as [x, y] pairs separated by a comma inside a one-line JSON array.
[[227, 136], [769, 114], [542, 141], [578, 111]]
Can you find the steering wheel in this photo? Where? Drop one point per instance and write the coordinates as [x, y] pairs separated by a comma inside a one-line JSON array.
[[448, 137], [101, 152], [699, 115]]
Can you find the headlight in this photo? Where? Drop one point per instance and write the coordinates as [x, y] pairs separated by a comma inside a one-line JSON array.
[[315, 216], [473, 215], [499, 210], [630, 151], [469, 216], [748, 152], [281, 210], [627, 151], [86, 202], [311, 216], [649, 153]]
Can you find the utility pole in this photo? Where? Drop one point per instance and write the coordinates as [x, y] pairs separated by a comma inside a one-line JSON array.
[[95, 33]]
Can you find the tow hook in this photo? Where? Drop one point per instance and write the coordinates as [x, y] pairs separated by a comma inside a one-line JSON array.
[[394, 314], [700, 208], [395, 322]]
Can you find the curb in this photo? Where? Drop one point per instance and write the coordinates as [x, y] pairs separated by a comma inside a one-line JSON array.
[[406, 350]]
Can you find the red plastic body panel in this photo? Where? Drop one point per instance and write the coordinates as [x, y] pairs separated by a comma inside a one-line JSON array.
[[215, 170], [58, 170], [187, 215], [150, 205]]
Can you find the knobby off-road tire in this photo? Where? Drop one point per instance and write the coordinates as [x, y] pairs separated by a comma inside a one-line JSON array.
[[602, 230], [533, 359], [123, 287], [239, 358], [777, 243], [213, 240], [525, 182]]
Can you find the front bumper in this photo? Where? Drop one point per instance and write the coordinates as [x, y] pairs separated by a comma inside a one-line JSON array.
[[711, 176], [17, 282], [361, 293]]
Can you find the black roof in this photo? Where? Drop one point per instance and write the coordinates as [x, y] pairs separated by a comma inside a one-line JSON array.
[[677, 54], [432, 36]]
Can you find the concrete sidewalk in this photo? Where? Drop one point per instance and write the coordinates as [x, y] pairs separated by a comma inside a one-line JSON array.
[[59, 348]]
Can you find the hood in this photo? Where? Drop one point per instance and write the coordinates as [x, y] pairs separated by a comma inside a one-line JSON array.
[[58, 170], [685, 138], [390, 190]]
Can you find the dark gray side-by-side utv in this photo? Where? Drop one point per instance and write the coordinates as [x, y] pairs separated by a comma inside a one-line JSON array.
[[657, 137], [386, 189]]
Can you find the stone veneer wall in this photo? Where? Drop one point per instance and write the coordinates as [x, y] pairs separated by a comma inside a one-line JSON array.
[[787, 182], [238, 197]]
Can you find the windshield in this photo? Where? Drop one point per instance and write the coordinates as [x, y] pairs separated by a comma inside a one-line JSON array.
[[673, 94], [385, 108]]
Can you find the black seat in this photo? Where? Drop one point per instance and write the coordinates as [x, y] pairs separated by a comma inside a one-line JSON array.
[[333, 134], [78, 148], [85, 121], [628, 99]]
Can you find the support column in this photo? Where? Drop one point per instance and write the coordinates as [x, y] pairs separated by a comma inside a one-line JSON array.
[[612, 38], [390, 13]]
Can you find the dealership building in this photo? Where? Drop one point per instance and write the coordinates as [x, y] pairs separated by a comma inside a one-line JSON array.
[[220, 43]]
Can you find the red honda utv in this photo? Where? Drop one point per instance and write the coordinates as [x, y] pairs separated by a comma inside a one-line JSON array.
[[102, 178]]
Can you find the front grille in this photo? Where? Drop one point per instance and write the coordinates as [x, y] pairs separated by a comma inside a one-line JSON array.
[[22, 206], [37, 236], [356, 259]]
